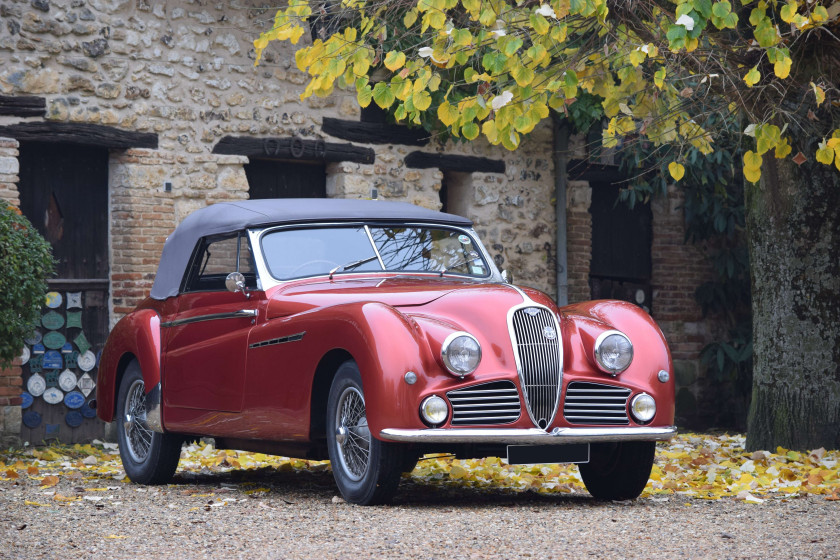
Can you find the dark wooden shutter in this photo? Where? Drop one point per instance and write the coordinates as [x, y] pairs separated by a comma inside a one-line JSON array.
[[282, 179], [64, 193], [621, 247]]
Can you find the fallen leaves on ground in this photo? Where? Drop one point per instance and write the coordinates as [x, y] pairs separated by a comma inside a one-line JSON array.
[[695, 466]]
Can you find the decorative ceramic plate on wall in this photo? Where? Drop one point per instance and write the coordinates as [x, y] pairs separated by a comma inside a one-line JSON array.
[[87, 361], [67, 380], [53, 395], [36, 385]]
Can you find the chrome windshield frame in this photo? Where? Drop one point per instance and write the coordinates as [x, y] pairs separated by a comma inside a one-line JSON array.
[[267, 281]]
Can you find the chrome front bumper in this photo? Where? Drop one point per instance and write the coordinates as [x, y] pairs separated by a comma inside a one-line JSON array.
[[535, 436]]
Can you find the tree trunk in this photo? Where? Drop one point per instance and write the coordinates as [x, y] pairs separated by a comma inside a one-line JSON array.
[[793, 228]]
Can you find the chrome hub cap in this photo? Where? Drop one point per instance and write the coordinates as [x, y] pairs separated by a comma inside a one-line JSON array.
[[341, 435], [352, 435], [138, 436]]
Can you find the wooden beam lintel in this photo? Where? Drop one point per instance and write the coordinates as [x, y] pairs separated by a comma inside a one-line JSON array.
[[374, 133], [23, 106], [83, 134], [293, 148], [445, 162]]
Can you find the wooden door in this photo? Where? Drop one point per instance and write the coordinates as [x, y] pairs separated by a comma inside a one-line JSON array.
[[621, 243], [283, 179], [64, 193]]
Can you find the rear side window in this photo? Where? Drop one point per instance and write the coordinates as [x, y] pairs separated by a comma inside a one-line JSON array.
[[216, 257]]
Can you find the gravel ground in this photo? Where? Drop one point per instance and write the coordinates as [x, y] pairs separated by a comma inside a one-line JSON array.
[[270, 513]]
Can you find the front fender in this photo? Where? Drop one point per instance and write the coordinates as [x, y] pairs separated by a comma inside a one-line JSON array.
[[383, 342], [398, 346], [135, 336], [585, 321]]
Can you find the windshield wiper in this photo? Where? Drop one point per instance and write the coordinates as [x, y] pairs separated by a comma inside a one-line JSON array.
[[471, 256], [351, 265]]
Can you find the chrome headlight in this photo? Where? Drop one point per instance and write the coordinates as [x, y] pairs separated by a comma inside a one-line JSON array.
[[643, 408], [461, 353], [613, 351]]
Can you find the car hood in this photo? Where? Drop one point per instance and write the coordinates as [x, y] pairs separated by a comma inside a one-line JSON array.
[[397, 291]]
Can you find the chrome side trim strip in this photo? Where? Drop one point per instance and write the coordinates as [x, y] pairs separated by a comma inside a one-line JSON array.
[[558, 436], [281, 340], [153, 420], [213, 317]]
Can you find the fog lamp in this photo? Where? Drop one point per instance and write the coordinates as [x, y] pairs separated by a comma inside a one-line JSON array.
[[434, 410], [643, 408]]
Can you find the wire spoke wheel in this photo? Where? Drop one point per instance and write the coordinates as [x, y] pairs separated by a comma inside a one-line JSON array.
[[366, 470], [352, 433], [138, 436]]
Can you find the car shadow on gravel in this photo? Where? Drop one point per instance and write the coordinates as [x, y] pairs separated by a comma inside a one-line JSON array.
[[308, 485]]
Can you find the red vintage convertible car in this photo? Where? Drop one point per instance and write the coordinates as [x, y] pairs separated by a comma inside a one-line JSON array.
[[370, 333]]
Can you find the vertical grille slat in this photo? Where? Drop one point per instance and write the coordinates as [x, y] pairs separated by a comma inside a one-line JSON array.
[[489, 403], [539, 360], [596, 403]]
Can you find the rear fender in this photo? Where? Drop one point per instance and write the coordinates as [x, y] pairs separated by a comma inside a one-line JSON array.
[[135, 336]]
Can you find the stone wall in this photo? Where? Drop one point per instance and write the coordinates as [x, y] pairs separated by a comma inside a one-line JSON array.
[[9, 171], [184, 71], [143, 213]]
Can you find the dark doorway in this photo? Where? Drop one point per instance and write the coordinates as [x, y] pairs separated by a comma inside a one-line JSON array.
[[621, 244], [64, 193], [283, 179]]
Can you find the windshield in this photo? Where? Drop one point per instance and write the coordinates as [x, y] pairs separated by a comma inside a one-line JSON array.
[[296, 253]]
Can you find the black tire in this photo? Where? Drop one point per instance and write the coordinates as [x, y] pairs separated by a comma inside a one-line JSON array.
[[148, 457], [618, 471], [366, 470]]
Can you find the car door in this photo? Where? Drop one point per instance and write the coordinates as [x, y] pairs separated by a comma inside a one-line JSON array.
[[206, 341]]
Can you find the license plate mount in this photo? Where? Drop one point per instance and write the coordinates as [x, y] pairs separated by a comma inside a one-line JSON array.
[[536, 454]]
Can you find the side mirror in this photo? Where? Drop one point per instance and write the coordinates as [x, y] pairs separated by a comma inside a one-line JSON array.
[[235, 282], [507, 277]]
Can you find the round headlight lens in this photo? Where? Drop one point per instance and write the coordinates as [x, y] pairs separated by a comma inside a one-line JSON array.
[[614, 351], [643, 408], [434, 410], [461, 353]]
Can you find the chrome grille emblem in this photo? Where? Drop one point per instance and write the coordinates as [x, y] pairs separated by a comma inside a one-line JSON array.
[[539, 360]]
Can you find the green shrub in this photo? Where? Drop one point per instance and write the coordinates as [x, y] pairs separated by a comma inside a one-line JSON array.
[[25, 263]]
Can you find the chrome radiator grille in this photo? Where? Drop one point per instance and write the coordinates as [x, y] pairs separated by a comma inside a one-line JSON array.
[[536, 340], [594, 403], [488, 403]]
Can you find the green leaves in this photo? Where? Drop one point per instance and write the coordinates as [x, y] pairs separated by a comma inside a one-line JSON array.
[[394, 60], [494, 62], [503, 64], [382, 95], [752, 77], [364, 93], [27, 263], [521, 74]]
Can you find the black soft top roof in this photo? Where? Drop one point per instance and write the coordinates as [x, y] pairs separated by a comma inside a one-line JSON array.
[[226, 217]]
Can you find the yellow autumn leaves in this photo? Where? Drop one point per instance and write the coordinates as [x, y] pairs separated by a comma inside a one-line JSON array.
[[497, 68], [828, 151], [690, 466]]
